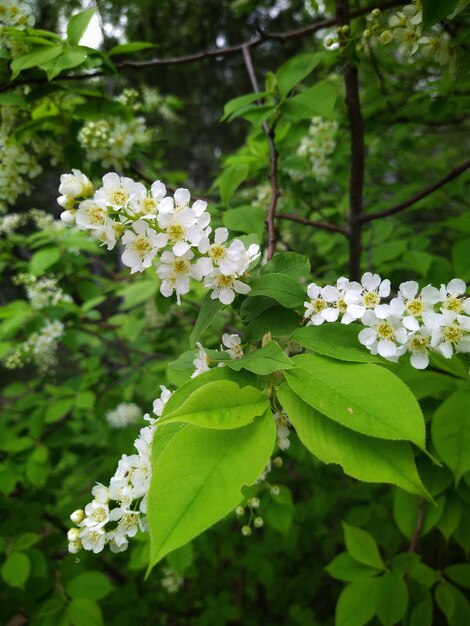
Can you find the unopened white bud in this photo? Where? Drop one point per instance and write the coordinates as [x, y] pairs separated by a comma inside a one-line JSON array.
[[278, 462], [78, 516], [75, 546], [275, 491], [254, 503], [240, 511], [246, 531], [68, 217], [73, 535], [258, 522]]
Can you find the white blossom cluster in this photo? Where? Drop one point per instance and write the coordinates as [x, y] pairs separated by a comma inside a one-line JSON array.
[[15, 14], [118, 510], [157, 229], [111, 141], [172, 580], [405, 28], [415, 321], [42, 292], [11, 222], [17, 167], [40, 347], [123, 415], [317, 145]]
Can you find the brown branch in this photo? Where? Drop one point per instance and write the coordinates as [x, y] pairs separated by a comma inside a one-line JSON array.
[[419, 526], [322, 225], [356, 129], [460, 169], [269, 131]]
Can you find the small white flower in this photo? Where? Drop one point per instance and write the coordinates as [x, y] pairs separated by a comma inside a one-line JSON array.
[[141, 246], [225, 286], [117, 191], [233, 345], [367, 296], [201, 362], [75, 185], [159, 403], [93, 538], [175, 272], [124, 414], [97, 514], [383, 336], [452, 334]]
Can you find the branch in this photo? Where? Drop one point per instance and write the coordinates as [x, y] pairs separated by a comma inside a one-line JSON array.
[[460, 169], [323, 225], [419, 526], [273, 159], [356, 129]]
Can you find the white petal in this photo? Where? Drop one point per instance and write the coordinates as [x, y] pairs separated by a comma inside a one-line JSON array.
[[456, 287], [386, 348], [367, 336], [409, 289], [419, 360]]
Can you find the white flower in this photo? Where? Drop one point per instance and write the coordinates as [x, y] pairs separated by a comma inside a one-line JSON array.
[[419, 344], [384, 336], [452, 334], [76, 185], [117, 191], [97, 514], [141, 246], [413, 306], [175, 272], [100, 493], [201, 362], [124, 414], [225, 286], [367, 295], [147, 204], [233, 345], [453, 298], [93, 538], [159, 403]]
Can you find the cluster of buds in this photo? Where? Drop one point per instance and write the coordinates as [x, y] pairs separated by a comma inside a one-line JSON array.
[[415, 322], [17, 167], [157, 229], [318, 145], [40, 348]]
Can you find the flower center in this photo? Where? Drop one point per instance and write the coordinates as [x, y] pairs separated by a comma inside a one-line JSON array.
[[149, 205], [453, 304], [419, 344], [96, 215], [386, 331], [100, 515], [371, 299], [180, 266], [216, 252], [318, 305], [129, 520], [119, 197], [94, 536], [225, 281], [415, 306], [342, 306], [452, 333], [175, 232], [142, 246]]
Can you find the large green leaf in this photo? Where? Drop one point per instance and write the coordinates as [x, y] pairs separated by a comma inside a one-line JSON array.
[[220, 404], [69, 59], [391, 598], [239, 103], [77, 26], [245, 219], [207, 312], [344, 567], [335, 340], [451, 432], [264, 361], [364, 397], [280, 287], [354, 607], [362, 546], [34, 59], [365, 458], [198, 477], [317, 100], [290, 263], [296, 69]]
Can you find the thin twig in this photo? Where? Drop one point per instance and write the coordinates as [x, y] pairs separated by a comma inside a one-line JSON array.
[[419, 526], [269, 131], [457, 171], [322, 225], [356, 129]]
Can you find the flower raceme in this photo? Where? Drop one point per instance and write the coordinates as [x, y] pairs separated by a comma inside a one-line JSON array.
[[161, 230], [415, 322]]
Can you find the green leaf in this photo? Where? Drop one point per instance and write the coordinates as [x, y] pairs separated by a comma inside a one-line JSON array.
[[318, 100], [84, 612], [12, 100], [34, 59], [137, 293], [365, 458], [129, 48], [229, 181], [364, 397], [436, 10], [220, 404], [25, 541], [91, 585], [241, 102], [343, 567], [451, 515], [391, 598], [296, 69], [421, 614], [207, 312], [263, 361], [451, 433], [290, 263], [43, 260], [460, 256], [77, 26], [406, 509], [278, 321], [67, 60], [245, 219], [198, 477], [362, 546], [16, 569], [58, 409], [280, 287], [336, 340], [459, 573], [354, 607]]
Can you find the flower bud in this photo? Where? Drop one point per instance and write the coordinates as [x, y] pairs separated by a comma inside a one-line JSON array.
[[73, 535], [275, 491], [246, 531], [253, 503], [240, 511], [258, 522], [68, 217], [78, 516], [278, 462], [75, 546], [367, 33], [376, 13]]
